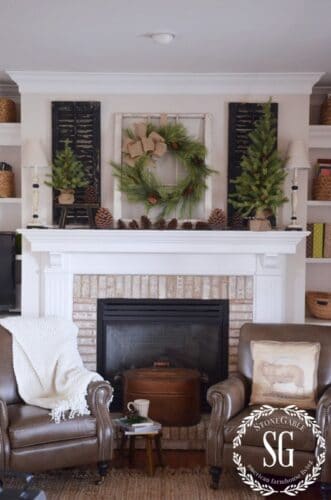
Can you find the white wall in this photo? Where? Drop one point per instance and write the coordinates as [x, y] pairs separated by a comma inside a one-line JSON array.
[[36, 124]]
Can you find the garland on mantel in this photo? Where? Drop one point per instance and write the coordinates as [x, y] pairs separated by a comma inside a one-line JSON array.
[[141, 148]]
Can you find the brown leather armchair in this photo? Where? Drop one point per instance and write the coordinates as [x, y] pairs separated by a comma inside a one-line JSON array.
[[229, 401], [31, 442]]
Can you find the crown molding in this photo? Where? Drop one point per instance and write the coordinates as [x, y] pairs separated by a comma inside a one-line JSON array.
[[51, 82]]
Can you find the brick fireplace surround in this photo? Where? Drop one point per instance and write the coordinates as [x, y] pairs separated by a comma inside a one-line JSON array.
[[65, 272]]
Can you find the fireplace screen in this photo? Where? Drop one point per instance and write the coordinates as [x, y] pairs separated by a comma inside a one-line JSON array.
[[140, 333]]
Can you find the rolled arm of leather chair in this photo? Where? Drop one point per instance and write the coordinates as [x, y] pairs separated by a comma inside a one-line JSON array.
[[4, 440], [323, 417], [99, 396], [227, 399]]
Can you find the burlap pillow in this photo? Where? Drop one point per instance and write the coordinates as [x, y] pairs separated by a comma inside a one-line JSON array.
[[285, 373]]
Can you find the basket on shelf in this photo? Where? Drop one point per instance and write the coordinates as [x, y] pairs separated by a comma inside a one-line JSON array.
[[325, 117], [322, 187], [7, 184], [7, 110], [319, 304]]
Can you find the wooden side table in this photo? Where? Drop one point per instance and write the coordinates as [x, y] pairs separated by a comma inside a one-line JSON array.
[[149, 437]]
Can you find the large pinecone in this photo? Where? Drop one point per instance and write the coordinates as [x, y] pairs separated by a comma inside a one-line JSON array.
[[103, 219], [90, 195], [237, 221], [217, 219]]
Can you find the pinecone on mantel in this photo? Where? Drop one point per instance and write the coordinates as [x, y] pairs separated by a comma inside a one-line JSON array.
[[103, 219], [160, 224], [202, 225], [187, 225], [145, 222], [172, 224], [217, 219], [133, 224], [121, 224]]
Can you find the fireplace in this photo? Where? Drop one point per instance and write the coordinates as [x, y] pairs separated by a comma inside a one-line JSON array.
[[137, 333]]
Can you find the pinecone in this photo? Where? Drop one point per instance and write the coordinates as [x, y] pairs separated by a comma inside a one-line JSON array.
[[187, 225], [145, 222], [172, 224], [237, 221], [202, 225], [103, 218], [90, 195], [121, 224], [217, 219], [160, 224], [133, 224]]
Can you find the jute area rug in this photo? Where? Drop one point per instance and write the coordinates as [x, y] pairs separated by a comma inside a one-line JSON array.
[[128, 484]]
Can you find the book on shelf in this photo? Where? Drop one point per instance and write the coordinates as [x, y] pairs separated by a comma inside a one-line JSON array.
[[309, 241], [318, 240], [141, 425], [327, 241], [318, 243]]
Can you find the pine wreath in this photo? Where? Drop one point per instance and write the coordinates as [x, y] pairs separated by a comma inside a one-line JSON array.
[[138, 181]]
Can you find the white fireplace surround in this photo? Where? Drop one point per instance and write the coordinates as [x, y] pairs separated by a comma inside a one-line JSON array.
[[52, 257]]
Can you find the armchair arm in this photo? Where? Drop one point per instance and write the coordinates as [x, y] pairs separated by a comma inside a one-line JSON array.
[[323, 417], [4, 440], [99, 396], [229, 396], [226, 398]]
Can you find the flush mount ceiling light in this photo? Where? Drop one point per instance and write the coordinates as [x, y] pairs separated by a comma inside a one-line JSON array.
[[162, 38]]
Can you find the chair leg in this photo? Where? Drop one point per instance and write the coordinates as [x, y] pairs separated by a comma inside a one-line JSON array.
[[103, 468], [215, 473], [325, 491]]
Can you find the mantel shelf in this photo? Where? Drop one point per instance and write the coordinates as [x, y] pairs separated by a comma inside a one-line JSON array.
[[163, 242]]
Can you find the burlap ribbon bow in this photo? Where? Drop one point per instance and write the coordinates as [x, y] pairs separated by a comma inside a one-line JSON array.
[[153, 145]]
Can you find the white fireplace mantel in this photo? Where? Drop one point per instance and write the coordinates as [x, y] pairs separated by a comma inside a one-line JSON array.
[[52, 257]]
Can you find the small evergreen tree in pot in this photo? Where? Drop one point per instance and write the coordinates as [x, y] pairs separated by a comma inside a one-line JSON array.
[[67, 174], [259, 187]]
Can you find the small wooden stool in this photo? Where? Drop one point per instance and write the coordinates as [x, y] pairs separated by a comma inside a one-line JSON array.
[[148, 447]]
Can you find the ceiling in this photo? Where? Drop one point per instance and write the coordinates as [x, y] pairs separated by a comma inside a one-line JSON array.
[[211, 36]]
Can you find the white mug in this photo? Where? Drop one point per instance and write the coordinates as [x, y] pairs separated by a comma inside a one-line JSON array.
[[139, 405]]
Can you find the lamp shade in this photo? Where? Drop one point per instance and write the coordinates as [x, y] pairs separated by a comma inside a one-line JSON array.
[[34, 154], [297, 156]]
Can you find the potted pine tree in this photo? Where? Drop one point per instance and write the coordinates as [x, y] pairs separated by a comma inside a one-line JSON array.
[[67, 175], [259, 187]]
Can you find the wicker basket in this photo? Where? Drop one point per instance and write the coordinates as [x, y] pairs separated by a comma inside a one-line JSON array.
[[7, 184], [322, 187], [319, 304], [7, 110], [325, 117]]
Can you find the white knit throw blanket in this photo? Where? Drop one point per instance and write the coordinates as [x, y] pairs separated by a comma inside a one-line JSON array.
[[47, 365]]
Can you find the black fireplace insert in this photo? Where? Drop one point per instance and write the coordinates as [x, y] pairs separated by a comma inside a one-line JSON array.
[[140, 333]]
